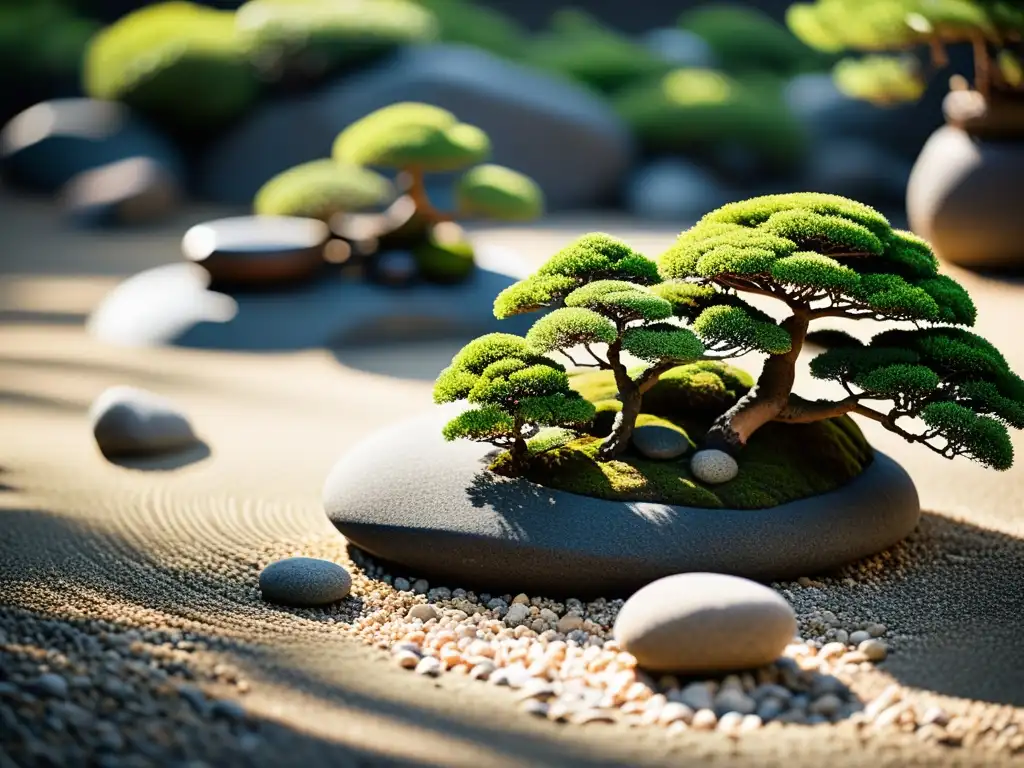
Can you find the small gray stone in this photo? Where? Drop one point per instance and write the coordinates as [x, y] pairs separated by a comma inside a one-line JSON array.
[[136, 190], [713, 467], [517, 614], [734, 700], [402, 585], [131, 421], [424, 612], [304, 581], [697, 622], [696, 696], [394, 268], [52, 685], [420, 586], [658, 442], [674, 189]]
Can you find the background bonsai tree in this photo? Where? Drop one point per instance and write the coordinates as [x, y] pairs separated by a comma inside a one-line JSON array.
[[515, 392], [824, 256], [605, 307], [991, 27], [414, 139]]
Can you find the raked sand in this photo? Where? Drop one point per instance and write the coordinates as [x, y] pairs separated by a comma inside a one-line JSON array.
[[132, 555]]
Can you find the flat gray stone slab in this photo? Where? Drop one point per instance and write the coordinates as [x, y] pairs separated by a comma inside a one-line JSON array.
[[172, 305], [406, 496]]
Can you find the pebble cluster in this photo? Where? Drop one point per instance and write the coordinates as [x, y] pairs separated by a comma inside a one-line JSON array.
[[564, 664]]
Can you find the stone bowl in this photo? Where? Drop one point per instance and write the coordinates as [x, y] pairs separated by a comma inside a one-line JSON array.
[[407, 497]]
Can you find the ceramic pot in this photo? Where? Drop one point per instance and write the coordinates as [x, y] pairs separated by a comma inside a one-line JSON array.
[[964, 191]]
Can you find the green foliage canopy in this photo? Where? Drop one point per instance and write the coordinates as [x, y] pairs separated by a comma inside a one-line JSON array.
[[320, 189], [496, 192]]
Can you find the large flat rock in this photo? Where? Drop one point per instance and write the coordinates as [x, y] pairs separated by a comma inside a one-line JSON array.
[[173, 305], [406, 496]]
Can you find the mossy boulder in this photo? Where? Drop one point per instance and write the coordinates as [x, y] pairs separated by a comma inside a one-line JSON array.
[[745, 39], [578, 46], [320, 189], [781, 463], [182, 64], [694, 111], [313, 38], [472, 23]]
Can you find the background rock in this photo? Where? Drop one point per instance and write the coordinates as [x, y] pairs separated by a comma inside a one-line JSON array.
[[48, 144], [137, 190], [131, 421], [525, 113], [674, 189], [680, 47]]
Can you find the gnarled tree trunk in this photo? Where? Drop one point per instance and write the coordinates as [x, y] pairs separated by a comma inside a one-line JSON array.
[[767, 400], [625, 420]]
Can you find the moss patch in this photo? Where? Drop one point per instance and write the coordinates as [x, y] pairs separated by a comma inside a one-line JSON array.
[[782, 462]]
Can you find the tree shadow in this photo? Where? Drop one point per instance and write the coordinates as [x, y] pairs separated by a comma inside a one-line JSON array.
[[164, 462]]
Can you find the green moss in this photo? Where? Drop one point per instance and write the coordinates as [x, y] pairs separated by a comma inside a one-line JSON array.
[[472, 23], [745, 39], [181, 64], [444, 258], [782, 463], [320, 189], [694, 110], [317, 37]]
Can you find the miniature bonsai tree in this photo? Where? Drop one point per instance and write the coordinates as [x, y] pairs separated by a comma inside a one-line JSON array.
[[306, 40], [514, 393], [991, 27], [603, 291], [824, 256], [182, 64]]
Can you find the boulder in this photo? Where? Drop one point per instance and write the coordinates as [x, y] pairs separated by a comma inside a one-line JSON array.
[[858, 169], [680, 47], [566, 138], [704, 622], [409, 497], [127, 421], [304, 582], [674, 189], [47, 145], [137, 190]]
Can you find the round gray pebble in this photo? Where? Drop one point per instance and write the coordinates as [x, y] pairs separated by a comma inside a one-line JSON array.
[[657, 442], [304, 581], [714, 467], [130, 421]]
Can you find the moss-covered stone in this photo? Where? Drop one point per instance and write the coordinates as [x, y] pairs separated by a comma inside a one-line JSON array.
[[182, 64], [445, 255], [782, 462]]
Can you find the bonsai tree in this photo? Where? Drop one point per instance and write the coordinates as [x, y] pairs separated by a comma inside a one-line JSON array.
[[603, 292], [181, 64], [990, 27], [413, 139], [514, 393], [823, 256]]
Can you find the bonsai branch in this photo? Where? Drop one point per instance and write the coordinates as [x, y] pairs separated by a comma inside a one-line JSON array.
[[417, 191]]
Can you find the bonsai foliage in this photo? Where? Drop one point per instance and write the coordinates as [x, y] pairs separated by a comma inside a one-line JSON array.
[[695, 110], [320, 189], [43, 41], [824, 256], [608, 305], [180, 63], [312, 38], [514, 393], [992, 27], [416, 139]]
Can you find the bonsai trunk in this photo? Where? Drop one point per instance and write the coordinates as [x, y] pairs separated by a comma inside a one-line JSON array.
[[769, 397], [519, 451], [417, 192], [625, 420]]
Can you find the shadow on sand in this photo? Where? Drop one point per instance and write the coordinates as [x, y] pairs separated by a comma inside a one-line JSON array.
[[164, 462]]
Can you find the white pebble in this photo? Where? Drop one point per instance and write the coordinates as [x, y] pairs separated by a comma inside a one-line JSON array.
[[428, 665], [704, 720], [675, 711], [424, 612], [874, 649], [713, 466]]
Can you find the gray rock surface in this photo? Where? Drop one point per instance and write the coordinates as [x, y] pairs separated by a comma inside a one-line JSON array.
[[48, 144], [567, 139], [699, 622], [407, 496], [657, 442], [304, 581], [674, 189], [679, 47], [173, 305], [136, 190], [857, 169], [130, 421]]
